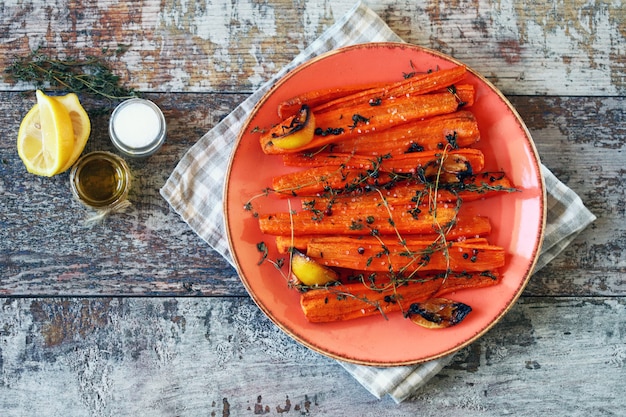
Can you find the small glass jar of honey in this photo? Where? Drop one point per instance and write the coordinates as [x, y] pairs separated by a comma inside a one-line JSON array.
[[101, 180]]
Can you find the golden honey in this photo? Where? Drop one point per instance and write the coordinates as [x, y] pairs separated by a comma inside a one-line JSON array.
[[100, 180]]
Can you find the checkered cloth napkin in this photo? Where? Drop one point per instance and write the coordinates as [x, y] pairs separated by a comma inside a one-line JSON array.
[[195, 192]]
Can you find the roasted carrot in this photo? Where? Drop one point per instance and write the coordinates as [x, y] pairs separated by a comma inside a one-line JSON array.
[[318, 97], [348, 252], [466, 226], [363, 118], [285, 243], [346, 122], [454, 161], [345, 173], [408, 193], [458, 129], [416, 85], [355, 222], [312, 181], [351, 301]]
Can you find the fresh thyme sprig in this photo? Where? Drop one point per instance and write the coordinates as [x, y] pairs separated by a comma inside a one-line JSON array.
[[90, 75]]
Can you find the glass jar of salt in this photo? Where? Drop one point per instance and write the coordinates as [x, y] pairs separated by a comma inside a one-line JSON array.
[[137, 127]]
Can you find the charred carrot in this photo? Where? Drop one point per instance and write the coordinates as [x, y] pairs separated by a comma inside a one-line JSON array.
[[458, 129], [345, 173], [348, 252], [465, 227], [355, 222], [410, 193], [351, 301], [316, 98], [316, 180], [455, 161], [416, 85], [346, 122], [363, 118]]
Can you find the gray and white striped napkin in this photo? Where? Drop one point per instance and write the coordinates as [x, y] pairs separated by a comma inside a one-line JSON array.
[[195, 191]]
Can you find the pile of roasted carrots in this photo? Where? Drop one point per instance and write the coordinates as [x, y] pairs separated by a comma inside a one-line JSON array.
[[384, 171]]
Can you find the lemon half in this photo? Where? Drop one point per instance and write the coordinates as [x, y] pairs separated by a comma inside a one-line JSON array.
[[53, 134]]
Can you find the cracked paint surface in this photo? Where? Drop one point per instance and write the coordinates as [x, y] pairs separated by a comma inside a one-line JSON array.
[[184, 45]]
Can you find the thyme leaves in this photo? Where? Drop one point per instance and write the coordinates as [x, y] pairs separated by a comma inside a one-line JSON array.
[[262, 248], [91, 75], [264, 251]]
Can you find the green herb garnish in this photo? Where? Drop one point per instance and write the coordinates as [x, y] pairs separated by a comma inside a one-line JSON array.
[[90, 75]]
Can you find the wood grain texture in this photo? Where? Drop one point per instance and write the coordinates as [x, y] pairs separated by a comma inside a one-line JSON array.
[[556, 48], [216, 357], [48, 248], [583, 141]]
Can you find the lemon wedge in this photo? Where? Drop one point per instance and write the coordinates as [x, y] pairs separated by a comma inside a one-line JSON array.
[[309, 272], [80, 124], [294, 132], [53, 134]]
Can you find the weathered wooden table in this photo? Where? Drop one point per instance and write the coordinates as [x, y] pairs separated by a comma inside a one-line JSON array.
[[138, 316]]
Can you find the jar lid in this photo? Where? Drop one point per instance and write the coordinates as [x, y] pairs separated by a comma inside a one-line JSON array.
[[137, 127]]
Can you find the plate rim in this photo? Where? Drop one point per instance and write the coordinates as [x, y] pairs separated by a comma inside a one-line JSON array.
[[538, 240]]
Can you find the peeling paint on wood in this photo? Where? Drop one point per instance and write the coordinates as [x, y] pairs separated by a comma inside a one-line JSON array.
[[189, 357], [235, 46]]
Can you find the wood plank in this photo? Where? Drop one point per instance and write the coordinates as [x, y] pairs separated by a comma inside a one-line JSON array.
[[236, 46], [207, 356], [150, 250], [146, 250], [582, 140]]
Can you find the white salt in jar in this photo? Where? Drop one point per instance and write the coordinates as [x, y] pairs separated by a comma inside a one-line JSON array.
[[137, 127]]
